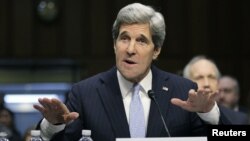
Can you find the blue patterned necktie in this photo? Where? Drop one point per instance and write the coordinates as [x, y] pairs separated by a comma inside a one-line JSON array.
[[136, 119]]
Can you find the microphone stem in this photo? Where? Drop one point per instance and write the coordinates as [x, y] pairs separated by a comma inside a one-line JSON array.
[[162, 118]]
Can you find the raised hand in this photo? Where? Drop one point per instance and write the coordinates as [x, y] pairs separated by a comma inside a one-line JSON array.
[[55, 111], [201, 101]]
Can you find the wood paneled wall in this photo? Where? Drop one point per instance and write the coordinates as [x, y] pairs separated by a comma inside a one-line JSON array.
[[219, 29]]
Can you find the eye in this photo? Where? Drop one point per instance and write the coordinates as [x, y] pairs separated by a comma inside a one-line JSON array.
[[198, 77], [124, 38], [213, 77], [142, 41]]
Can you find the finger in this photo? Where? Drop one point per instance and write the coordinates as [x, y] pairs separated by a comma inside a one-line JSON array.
[[214, 95], [200, 93], [39, 108], [183, 104], [178, 102], [60, 105], [192, 96], [70, 117], [191, 91], [208, 90], [55, 104], [204, 92], [45, 102]]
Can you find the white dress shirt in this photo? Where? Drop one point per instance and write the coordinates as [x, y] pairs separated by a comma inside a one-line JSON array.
[[126, 88]]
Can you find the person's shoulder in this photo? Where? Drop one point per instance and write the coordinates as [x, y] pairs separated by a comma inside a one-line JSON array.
[[235, 117], [243, 109], [172, 76], [95, 79]]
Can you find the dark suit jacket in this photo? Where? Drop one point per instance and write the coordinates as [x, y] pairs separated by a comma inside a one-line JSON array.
[[235, 117], [99, 102]]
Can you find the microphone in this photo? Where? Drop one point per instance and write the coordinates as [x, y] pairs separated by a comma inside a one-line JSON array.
[[151, 94]]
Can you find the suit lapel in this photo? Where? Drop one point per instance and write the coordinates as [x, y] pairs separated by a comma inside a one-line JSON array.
[[112, 100], [163, 95]]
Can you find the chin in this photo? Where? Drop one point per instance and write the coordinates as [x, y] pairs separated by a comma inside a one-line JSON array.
[[130, 76]]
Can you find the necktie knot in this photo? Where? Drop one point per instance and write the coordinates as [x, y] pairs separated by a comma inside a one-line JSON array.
[[136, 89]]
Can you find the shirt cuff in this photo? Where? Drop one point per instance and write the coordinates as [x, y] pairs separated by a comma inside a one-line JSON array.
[[48, 129], [212, 116]]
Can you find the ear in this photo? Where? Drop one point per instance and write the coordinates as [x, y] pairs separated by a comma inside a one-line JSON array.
[[157, 51]]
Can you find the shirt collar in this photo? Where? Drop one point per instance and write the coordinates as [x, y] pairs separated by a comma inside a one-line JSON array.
[[126, 86]]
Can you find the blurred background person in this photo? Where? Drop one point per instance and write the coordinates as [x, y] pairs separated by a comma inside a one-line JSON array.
[[206, 74], [7, 120], [229, 93]]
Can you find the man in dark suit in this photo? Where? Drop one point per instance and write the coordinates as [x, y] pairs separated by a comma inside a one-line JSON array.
[[102, 103], [229, 93]]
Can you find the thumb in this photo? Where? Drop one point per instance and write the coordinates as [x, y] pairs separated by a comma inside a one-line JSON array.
[[71, 116], [178, 102]]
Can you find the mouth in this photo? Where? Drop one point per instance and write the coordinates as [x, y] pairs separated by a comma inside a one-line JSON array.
[[129, 62]]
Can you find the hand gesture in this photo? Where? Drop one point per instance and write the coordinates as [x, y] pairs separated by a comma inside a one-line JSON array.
[[201, 101], [55, 111]]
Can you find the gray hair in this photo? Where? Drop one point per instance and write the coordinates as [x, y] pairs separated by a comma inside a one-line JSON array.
[[187, 69], [139, 13]]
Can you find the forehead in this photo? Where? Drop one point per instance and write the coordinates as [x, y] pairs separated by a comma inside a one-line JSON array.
[[142, 28], [226, 82], [203, 67]]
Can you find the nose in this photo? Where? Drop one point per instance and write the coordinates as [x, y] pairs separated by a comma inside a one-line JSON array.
[[206, 83], [131, 48]]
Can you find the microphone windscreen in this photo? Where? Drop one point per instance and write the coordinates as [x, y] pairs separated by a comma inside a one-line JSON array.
[[151, 93]]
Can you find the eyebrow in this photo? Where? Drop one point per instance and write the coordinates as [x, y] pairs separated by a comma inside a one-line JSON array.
[[123, 33], [144, 37], [141, 35]]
